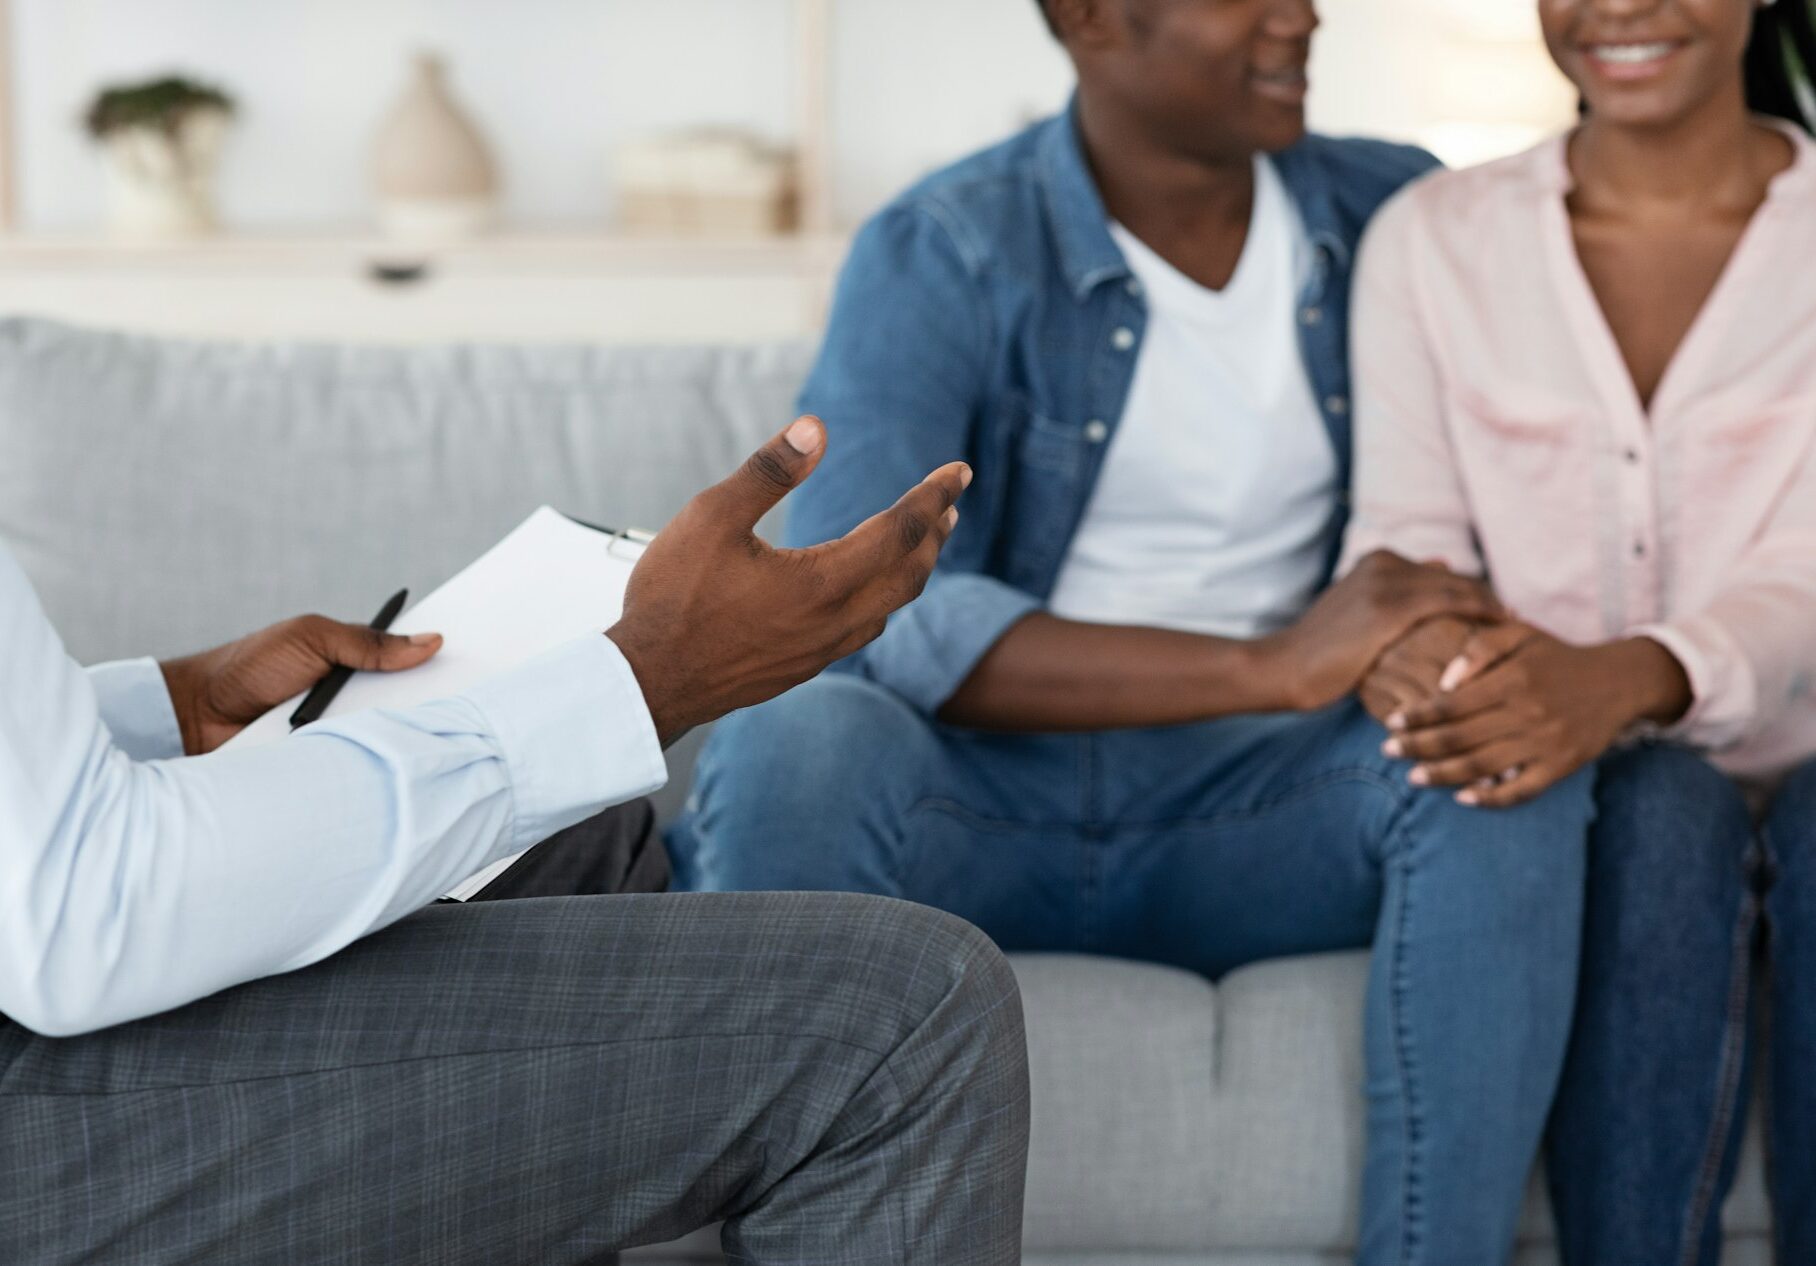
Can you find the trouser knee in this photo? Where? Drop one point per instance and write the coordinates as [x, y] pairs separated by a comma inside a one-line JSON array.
[[950, 981]]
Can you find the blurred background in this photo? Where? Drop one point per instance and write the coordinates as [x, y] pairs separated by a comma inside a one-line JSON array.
[[593, 170]]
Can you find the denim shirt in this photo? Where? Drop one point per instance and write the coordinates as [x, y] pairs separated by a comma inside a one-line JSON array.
[[988, 315]]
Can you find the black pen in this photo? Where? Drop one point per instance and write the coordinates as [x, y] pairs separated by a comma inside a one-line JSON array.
[[317, 700]]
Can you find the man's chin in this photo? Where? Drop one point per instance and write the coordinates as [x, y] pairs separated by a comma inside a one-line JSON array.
[[1282, 133]]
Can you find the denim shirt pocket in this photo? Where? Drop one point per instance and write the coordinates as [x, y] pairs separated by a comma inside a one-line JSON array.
[[1053, 449], [1052, 460]]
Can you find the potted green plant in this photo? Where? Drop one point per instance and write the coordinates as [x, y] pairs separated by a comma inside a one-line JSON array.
[[161, 143]]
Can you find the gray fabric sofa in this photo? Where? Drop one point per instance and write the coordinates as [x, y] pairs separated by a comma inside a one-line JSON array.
[[167, 495]]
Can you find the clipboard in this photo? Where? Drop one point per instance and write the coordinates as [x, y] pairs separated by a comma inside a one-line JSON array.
[[552, 579]]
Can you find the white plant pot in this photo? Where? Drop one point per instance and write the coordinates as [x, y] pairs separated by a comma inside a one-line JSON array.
[[161, 184]]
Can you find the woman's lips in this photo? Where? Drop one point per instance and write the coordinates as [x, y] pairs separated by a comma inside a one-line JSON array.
[[1632, 60]]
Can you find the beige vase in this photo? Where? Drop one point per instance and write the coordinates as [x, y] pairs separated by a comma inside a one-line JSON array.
[[431, 168]]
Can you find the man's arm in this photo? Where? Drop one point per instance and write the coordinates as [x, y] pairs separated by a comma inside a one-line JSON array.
[[902, 375], [1050, 674], [128, 887]]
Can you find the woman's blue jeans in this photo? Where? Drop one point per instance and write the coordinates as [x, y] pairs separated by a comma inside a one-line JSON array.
[[1684, 894], [1208, 847]]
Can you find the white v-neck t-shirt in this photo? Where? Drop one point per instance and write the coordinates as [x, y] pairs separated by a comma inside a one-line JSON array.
[[1215, 508]]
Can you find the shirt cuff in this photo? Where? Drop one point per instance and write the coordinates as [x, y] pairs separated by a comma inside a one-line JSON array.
[[135, 706], [1724, 695], [934, 643], [575, 734]]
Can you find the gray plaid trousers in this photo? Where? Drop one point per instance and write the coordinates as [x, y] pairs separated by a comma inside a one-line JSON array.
[[840, 1079]]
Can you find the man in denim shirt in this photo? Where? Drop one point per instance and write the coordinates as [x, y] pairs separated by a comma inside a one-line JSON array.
[[1116, 722]]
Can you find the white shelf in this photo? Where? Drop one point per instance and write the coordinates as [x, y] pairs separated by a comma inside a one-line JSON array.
[[512, 253]]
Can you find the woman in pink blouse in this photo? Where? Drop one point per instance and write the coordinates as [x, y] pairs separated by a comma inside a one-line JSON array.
[[1589, 372]]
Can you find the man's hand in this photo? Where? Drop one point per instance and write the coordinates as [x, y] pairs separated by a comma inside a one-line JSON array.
[[1408, 672], [716, 620], [1519, 710], [1332, 647], [220, 692]]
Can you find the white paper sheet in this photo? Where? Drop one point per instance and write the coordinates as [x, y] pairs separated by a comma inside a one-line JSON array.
[[550, 581]]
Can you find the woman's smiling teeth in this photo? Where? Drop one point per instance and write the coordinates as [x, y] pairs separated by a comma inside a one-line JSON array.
[[1632, 54]]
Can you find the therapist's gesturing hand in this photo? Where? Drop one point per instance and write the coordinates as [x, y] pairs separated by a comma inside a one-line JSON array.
[[219, 693], [716, 620]]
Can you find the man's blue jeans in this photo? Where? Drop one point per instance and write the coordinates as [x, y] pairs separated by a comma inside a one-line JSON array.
[[1649, 1118], [1209, 847]]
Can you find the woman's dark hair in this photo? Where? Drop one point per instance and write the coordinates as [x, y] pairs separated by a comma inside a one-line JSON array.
[[1781, 62]]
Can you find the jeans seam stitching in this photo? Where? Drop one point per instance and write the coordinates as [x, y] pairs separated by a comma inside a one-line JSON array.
[[1409, 1174], [1708, 1174], [1007, 826]]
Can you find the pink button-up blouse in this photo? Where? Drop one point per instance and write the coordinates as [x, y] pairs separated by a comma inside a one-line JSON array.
[[1498, 429]]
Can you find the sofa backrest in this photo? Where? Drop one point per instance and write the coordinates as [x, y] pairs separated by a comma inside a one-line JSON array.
[[166, 495]]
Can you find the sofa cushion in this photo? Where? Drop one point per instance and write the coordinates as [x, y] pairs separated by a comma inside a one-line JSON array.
[[1177, 1120]]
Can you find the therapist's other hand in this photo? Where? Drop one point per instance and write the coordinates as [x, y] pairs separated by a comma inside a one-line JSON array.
[[716, 620], [1327, 653], [220, 692], [1518, 710]]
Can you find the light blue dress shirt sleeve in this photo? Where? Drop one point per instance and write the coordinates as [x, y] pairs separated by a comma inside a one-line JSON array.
[[135, 706], [129, 886]]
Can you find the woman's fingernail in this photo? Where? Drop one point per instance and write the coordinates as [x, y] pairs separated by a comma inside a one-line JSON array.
[[965, 476], [1468, 797], [1419, 777], [1453, 674], [1397, 721], [952, 518], [1392, 748], [804, 437]]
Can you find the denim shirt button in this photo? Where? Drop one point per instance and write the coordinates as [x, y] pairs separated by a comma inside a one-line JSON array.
[[1097, 431], [1336, 405], [1123, 339], [1134, 287], [1312, 316]]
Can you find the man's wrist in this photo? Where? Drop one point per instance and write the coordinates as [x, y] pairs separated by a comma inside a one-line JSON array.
[[180, 680], [1265, 674], [669, 727]]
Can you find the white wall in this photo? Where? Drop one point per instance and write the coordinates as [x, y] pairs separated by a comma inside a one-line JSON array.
[[556, 83]]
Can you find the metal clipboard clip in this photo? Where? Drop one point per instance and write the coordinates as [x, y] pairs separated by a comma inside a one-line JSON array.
[[625, 537], [622, 539]]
